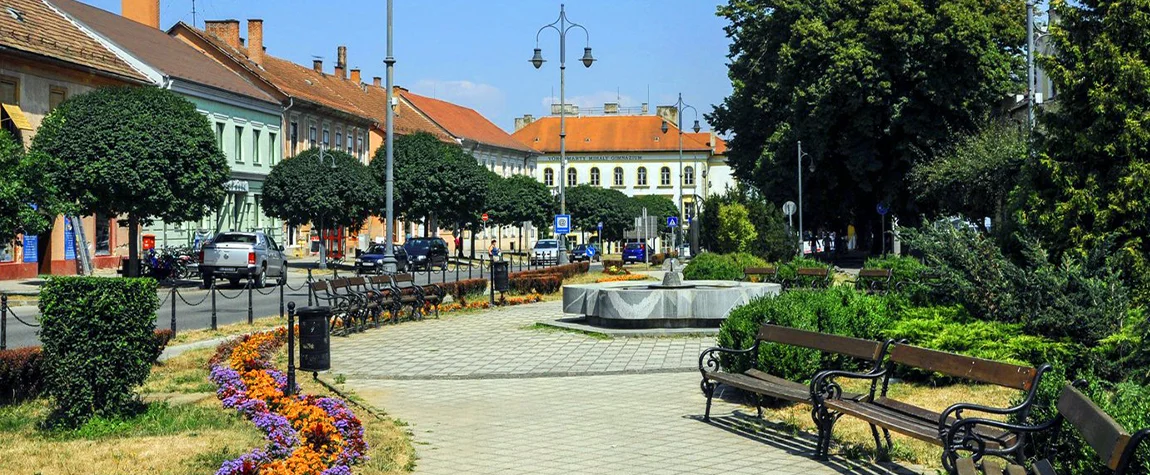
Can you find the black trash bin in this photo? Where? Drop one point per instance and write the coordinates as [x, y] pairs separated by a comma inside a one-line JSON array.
[[499, 278], [314, 340]]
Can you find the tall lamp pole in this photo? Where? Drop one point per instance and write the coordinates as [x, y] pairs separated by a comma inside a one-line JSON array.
[[322, 238], [802, 154], [389, 262], [679, 106], [562, 26]]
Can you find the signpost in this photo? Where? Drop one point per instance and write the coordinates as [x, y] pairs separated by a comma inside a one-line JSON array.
[[672, 221], [882, 209], [484, 217], [789, 210], [562, 224]]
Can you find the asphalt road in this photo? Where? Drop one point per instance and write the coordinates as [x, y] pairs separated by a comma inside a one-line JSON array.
[[231, 305]]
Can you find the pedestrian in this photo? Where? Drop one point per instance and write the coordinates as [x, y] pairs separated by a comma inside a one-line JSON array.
[[494, 250], [851, 237], [459, 246]]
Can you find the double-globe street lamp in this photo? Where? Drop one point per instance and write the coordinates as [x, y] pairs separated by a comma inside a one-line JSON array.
[[322, 238], [389, 262], [802, 154], [562, 26], [679, 106]]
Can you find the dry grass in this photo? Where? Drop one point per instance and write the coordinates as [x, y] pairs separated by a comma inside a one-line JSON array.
[[854, 436], [232, 329], [178, 439]]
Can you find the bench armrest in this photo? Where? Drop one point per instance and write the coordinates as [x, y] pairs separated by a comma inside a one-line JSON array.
[[964, 436], [1022, 408], [1129, 454], [823, 385], [709, 358]]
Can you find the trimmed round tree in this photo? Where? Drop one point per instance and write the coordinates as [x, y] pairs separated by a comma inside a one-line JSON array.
[[27, 196], [335, 190], [142, 152]]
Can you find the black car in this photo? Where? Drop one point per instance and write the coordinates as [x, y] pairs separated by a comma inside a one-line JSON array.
[[371, 262], [426, 253]]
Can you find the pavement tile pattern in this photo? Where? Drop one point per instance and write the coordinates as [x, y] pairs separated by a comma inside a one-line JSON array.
[[484, 395]]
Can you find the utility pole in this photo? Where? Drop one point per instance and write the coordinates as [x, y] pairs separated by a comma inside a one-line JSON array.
[[389, 262]]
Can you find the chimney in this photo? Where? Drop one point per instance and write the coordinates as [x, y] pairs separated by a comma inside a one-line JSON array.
[[668, 113], [226, 30], [611, 108], [377, 81], [146, 12], [317, 65], [256, 41], [355, 77], [341, 62], [521, 122]]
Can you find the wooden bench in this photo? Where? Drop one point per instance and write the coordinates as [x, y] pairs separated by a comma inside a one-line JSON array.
[[873, 281], [765, 274], [1115, 447], [417, 296], [340, 305], [811, 277], [761, 383], [352, 308], [372, 299], [389, 299], [921, 423]]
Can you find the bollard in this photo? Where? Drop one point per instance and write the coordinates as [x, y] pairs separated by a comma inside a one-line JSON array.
[[3, 322], [172, 297], [291, 347], [457, 269], [444, 271], [309, 290], [250, 319], [212, 290]]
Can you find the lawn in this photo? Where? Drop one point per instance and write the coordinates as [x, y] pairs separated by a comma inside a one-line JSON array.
[[171, 438]]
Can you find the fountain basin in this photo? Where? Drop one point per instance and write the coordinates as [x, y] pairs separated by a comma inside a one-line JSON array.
[[693, 304]]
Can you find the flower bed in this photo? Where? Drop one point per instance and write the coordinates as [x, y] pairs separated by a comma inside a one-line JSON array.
[[306, 434], [484, 304], [622, 278]]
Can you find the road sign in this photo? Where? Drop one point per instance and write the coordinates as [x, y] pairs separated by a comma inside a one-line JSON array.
[[882, 208], [562, 224], [484, 217], [672, 221], [789, 208], [600, 225]]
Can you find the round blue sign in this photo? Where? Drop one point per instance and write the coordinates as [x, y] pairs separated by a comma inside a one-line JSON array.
[[882, 208]]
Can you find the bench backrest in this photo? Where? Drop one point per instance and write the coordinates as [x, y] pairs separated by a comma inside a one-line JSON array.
[[319, 285], [875, 273], [357, 282], [761, 271], [403, 278], [967, 367], [1104, 435], [336, 284], [862, 349], [813, 272], [380, 280]]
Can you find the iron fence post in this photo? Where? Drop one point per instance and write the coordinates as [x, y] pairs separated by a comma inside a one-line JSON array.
[[3, 322], [250, 319], [291, 347], [172, 297], [212, 290], [457, 260], [309, 290], [444, 272]]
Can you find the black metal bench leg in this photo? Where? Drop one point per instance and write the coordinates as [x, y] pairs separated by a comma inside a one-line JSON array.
[[709, 391], [759, 405], [881, 452], [827, 428]]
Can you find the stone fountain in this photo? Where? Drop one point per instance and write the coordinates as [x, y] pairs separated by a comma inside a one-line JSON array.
[[674, 303]]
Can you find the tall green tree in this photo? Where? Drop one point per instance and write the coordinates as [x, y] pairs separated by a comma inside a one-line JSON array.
[[143, 152], [1092, 183], [772, 242], [591, 205], [735, 229], [335, 191], [433, 180], [867, 86], [660, 207], [974, 177], [519, 198], [28, 199]]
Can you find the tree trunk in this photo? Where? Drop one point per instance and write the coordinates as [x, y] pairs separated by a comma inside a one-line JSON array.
[[133, 246], [472, 233], [432, 227]]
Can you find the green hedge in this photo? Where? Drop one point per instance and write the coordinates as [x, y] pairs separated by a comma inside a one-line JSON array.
[[711, 266], [21, 374], [838, 310], [99, 344]]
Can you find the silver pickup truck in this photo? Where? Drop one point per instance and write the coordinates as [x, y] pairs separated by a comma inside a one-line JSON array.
[[236, 256]]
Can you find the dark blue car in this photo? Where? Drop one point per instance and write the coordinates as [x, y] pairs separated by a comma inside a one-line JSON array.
[[634, 252], [371, 262], [585, 252]]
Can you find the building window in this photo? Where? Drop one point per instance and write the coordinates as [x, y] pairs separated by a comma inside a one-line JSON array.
[[272, 147], [326, 139], [689, 176], [239, 144], [56, 95], [256, 146], [642, 176], [9, 90], [103, 235], [572, 177], [220, 135], [549, 177], [665, 176], [359, 145], [294, 137], [618, 176], [339, 140], [311, 136], [595, 176]]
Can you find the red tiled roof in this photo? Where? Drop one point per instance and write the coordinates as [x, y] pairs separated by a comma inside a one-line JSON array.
[[44, 31], [407, 120], [465, 123], [155, 48], [719, 147], [608, 133]]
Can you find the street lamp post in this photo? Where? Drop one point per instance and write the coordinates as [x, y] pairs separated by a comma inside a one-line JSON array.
[[389, 262], [679, 106], [562, 26], [322, 239], [802, 154]]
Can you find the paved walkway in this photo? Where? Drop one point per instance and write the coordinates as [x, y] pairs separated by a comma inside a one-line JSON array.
[[483, 394]]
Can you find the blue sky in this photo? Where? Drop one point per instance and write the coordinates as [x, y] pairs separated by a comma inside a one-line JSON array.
[[475, 52]]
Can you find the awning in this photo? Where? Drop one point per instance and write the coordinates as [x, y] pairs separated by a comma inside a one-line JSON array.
[[17, 116]]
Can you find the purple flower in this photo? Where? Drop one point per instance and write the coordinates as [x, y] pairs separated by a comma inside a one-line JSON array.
[[246, 464], [338, 470]]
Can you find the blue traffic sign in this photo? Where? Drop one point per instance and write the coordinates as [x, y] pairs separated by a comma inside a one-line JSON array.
[[562, 224], [882, 208], [672, 221], [600, 225]]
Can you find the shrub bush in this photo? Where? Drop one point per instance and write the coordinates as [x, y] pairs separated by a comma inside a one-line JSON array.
[[787, 270], [609, 263], [21, 374], [160, 342], [462, 288], [711, 266], [541, 284], [99, 343], [838, 310]]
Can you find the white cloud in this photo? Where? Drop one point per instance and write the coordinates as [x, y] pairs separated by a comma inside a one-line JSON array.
[[485, 98], [596, 99]]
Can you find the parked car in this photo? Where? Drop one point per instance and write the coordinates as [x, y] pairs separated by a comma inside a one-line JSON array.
[[546, 251], [371, 261], [585, 252], [236, 256], [634, 252], [425, 253]]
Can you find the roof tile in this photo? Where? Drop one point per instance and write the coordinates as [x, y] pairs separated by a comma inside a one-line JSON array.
[[36, 27], [608, 133], [465, 123]]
